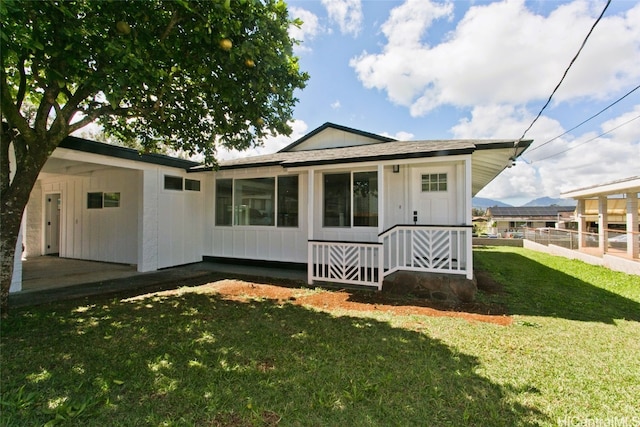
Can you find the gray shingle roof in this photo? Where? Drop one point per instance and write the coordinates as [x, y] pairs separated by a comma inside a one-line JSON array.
[[392, 150]]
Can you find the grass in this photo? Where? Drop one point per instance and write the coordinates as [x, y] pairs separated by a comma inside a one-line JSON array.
[[570, 358]]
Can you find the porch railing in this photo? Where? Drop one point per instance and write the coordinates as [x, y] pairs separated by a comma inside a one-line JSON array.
[[425, 248], [355, 263], [428, 248]]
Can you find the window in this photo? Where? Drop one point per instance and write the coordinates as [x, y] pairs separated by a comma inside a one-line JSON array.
[[191, 184], [224, 201], [111, 200], [99, 200], [94, 200], [172, 183], [254, 201], [337, 200], [365, 199], [288, 201], [434, 182], [339, 192]]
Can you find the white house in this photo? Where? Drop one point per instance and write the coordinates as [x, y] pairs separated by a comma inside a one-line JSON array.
[[351, 205]]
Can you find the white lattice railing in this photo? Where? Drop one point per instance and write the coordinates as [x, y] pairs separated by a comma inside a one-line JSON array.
[[428, 248], [354, 263]]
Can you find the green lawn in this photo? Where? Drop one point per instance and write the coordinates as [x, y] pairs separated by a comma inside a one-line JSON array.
[[570, 358]]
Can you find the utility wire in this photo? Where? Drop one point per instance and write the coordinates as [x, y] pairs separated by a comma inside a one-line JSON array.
[[588, 140], [565, 72], [585, 121]]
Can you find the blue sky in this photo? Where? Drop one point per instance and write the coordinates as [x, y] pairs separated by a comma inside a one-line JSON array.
[[421, 69]]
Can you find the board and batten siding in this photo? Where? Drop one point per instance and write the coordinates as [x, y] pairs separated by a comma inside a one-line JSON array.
[[258, 242], [107, 234], [180, 222]]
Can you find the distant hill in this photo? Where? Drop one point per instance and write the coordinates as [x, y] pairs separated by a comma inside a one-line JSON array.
[[550, 201], [482, 203]]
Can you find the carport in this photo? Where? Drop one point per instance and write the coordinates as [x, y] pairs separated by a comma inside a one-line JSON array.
[[613, 201]]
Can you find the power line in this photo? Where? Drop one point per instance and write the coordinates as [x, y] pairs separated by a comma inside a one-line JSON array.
[[565, 71], [585, 121], [588, 140]]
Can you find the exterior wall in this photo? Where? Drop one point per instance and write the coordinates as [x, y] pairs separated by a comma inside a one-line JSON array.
[[257, 242], [350, 234], [502, 227], [34, 222], [272, 243], [107, 234], [396, 193], [180, 222]]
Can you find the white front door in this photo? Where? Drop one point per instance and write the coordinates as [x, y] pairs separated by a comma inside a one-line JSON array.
[[433, 200], [52, 224]]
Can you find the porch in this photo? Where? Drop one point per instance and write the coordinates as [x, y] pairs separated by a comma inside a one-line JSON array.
[[438, 249]]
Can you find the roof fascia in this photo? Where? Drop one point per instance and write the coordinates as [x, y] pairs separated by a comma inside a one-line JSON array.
[[378, 159], [628, 185], [100, 148], [521, 145]]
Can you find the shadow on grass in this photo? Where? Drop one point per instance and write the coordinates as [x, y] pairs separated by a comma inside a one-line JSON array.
[[532, 288], [198, 359]]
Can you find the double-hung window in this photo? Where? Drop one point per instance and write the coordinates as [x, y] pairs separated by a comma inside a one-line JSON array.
[[350, 199]]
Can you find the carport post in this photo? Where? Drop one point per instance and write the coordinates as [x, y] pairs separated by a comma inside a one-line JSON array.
[[603, 223], [632, 225]]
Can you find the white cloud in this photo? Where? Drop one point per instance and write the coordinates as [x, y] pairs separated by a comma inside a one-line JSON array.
[[400, 135], [501, 53], [336, 105], [308, 31], [346, 13], [271, 145], [550, 170]]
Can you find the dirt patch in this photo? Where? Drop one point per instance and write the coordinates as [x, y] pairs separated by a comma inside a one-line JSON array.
[[343, 300]]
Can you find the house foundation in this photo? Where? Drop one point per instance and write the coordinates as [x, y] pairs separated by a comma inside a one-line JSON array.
[[448, 288]]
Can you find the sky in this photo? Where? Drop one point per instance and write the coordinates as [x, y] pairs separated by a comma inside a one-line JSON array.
[[422, 69]]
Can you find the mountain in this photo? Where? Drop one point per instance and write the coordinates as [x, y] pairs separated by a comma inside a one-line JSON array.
[[550, 201], [482, 203]]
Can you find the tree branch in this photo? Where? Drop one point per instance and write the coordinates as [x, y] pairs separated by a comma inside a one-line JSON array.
[[91, 116], [10, 111], [44, 110], [172, 23], [60, 124], [22, 88], [71, 107]]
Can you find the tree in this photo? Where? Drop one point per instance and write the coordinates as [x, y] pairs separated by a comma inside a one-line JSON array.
[[186, 74]]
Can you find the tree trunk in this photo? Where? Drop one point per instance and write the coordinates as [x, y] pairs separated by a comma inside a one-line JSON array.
[[14, 196], [10, 230]]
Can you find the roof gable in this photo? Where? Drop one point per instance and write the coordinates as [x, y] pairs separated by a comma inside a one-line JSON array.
[[331, 135]]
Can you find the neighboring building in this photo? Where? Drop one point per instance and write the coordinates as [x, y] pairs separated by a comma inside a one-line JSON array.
[[612, 209], [507, 220], [351, 205]]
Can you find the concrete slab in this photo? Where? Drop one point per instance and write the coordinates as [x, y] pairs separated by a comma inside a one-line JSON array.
[[50, 279], [49, 272]]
